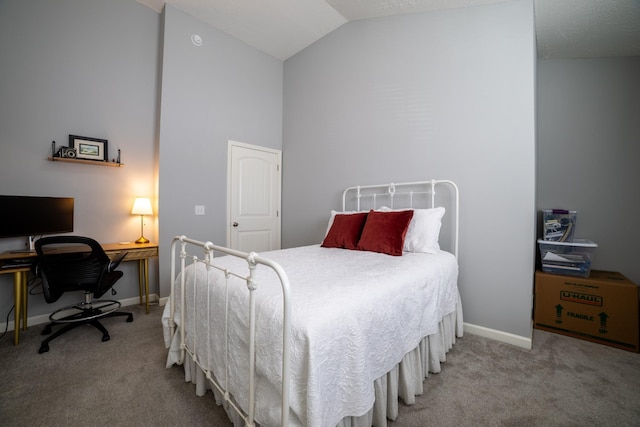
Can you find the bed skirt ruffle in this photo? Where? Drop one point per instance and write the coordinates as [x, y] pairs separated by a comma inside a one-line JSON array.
[[404, 380]]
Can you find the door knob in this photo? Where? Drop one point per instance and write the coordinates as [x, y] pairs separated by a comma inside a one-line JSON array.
[[235, 224]]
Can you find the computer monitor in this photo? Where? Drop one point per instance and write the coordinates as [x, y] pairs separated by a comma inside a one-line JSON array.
[[31, 216]]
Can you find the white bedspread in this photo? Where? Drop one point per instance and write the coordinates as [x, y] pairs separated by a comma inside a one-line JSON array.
[[354, 316]]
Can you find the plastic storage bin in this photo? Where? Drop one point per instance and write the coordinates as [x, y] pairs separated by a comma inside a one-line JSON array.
[[567, 258], [558, 225]]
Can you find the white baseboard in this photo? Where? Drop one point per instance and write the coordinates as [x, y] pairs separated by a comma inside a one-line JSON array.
[[44, 318], [494, 334]]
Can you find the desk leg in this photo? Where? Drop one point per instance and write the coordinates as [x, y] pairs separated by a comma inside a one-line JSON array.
[[20, 304], [25, 300], [140, 277], [143, 278]]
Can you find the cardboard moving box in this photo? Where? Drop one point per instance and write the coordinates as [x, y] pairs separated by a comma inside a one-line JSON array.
[[602, 308]]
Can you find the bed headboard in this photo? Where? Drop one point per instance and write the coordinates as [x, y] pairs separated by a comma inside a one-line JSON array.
[[416, 195]]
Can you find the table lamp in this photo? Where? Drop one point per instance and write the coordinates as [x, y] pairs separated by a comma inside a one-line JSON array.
[[142, 207]]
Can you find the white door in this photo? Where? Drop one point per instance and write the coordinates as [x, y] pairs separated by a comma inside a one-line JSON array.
[[253, 197]]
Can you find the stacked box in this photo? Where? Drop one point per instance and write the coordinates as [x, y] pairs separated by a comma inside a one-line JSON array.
[[558, 225], [602, 308], [568, 258]]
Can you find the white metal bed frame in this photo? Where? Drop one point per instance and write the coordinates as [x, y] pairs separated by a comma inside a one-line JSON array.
[[411, 190]]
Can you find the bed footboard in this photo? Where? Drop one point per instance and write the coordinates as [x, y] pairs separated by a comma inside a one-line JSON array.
[[207, 249]]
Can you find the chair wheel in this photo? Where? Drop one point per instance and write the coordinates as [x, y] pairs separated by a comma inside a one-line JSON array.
[[130, 318], [43, 348], [106, 337]]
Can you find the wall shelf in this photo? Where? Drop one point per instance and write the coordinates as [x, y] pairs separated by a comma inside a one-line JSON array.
[[86, 162]]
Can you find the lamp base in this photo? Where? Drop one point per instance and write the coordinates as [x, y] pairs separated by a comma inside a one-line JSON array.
[[142, 239]]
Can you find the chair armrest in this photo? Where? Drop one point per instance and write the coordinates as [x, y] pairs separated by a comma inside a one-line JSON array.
[[116, 261]]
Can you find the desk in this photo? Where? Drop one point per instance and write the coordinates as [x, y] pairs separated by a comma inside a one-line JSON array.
[[140, 252], [135, 252]]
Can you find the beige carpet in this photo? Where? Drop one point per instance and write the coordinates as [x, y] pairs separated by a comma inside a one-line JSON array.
[[123, 382]]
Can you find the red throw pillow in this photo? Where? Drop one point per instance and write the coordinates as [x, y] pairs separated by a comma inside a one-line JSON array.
[[345, 231], [385, 231]]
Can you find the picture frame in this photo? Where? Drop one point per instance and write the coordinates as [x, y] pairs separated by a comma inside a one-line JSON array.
[[89, 148]]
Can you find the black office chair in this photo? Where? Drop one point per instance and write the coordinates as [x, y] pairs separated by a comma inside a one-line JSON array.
[[74, 263]]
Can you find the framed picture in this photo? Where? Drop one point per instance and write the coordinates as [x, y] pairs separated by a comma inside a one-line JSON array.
[[89, 148]]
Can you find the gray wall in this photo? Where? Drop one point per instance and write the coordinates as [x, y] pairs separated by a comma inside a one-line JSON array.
[[223, 90], [89, 68], [588, 152], [447, 95]]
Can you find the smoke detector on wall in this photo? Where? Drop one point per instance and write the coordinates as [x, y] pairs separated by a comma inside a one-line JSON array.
[[196, 39]]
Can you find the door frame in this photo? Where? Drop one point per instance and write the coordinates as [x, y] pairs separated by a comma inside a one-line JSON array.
[[278, 153]]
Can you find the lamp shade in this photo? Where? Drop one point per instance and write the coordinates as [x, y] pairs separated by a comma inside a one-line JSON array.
[[142, 206]]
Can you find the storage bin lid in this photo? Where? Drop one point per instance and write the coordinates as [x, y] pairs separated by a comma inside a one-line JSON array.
[[583, 243], [559, 211]]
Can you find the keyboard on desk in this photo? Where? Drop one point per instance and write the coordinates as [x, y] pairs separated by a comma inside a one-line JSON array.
[[16, 263]]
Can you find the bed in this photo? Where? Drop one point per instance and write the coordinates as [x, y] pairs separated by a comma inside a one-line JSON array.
[[330, 334]]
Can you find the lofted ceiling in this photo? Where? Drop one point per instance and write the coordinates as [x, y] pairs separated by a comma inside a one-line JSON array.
[[281, 28]]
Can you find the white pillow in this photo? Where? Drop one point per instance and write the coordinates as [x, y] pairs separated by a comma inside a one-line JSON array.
[[424, 230]]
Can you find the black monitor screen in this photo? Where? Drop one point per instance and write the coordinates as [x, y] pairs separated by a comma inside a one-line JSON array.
[[32, 216]]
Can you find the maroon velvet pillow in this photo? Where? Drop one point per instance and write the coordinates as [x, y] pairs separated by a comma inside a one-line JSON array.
[[384, 232], [345, 231]]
